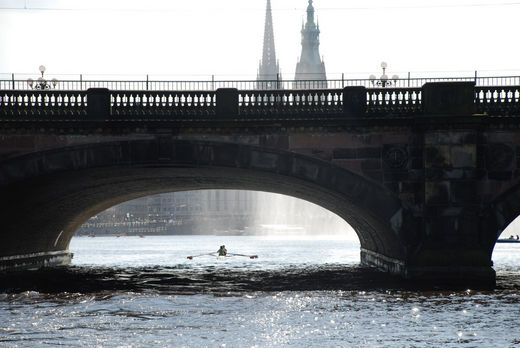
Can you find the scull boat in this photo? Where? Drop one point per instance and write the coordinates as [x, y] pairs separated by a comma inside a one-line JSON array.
[[223, 256]]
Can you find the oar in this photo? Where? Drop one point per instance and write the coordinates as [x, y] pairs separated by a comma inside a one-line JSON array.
[[191, 257], [250, 256]]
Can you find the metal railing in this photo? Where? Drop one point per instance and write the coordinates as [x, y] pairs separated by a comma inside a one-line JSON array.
[[213, 85]]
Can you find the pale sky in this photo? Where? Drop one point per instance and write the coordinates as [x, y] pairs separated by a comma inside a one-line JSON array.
[[195, 39]]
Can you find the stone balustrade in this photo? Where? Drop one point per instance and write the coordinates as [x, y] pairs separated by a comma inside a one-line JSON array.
[[448, 98]]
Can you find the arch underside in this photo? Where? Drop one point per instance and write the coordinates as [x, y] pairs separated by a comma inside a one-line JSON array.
[[500, 214], [49, 195]]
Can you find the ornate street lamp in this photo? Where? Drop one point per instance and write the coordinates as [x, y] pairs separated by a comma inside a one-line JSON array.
[[41, 83], [383, 80]]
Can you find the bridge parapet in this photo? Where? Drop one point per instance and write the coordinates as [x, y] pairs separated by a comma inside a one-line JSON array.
[[49, 103], [162, 103], [460, 98], [498, 100]]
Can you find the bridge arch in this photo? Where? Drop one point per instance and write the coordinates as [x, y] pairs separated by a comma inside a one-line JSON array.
[[498, 215], [48, 195]]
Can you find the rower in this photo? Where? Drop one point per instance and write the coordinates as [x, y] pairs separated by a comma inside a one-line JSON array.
[[222, 251]]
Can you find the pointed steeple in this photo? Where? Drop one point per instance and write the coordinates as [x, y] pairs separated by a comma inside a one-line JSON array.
[[269, 69], [310, 65]]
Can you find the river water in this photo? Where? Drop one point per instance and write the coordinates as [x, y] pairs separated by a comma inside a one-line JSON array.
[[300, 292]]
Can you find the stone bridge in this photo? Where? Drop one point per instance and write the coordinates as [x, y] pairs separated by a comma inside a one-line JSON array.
[[428, 177]]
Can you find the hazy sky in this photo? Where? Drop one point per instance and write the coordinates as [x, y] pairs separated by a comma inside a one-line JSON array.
[[198, 38]]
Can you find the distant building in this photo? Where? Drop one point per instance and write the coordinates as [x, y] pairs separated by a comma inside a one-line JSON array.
[[269, 69], [310, 65]]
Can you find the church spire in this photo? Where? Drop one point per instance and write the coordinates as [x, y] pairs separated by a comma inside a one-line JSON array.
[[310, 65], [269, 69]]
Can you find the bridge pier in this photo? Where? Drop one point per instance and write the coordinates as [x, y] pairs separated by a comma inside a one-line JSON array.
[[35, 260], [437, 270]]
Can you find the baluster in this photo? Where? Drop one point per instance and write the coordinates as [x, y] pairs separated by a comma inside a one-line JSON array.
[[157, 103], [246, 100], [132, 99], [161, 100], [254, 100], [380, 98], [37, 105], [495, 96], [199, 102], [303, 100], [65, 98], [71, 99], [120, 100], [478, 97], [39, 100], [182, 100], [145, 102], [79, 99], [370, 100]]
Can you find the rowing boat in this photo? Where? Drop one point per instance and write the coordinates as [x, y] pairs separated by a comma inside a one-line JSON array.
[[223, 256]]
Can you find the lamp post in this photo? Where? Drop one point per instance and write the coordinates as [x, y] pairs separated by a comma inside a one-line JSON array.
[[41, 83], [383, 80]]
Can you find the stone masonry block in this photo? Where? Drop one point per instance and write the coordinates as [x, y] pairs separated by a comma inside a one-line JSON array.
[[98, 103], [354, 101], [464, 192], [437, 192], [437, 156], [464, 156], [449, 98], [227, 103], [500, 157], [344, 154]]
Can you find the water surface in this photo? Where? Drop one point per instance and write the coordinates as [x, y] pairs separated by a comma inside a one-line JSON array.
[[300, 292]]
